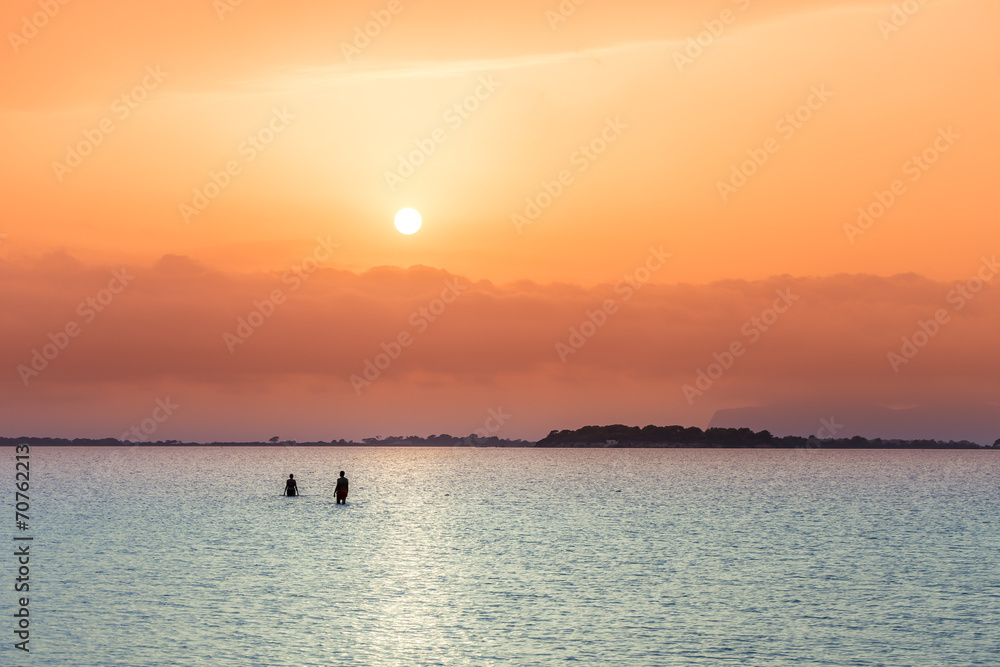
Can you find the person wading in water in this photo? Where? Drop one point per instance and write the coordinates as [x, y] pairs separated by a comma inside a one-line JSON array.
[[341, 490], [291, 486]]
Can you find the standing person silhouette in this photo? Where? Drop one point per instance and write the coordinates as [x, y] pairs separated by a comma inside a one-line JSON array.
[[341, 490], [291, 486]]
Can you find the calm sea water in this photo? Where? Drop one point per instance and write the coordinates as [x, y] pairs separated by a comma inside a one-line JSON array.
[[190, 556]]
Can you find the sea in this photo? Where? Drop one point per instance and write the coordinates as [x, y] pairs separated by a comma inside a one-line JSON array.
[[506, 556]]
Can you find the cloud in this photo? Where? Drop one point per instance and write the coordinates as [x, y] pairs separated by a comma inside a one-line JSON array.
[[832, 342]]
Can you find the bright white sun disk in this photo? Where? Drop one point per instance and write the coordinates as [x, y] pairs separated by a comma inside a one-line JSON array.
[[408, 221]]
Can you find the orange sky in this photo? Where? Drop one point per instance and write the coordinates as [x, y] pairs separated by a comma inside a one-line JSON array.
[[117, 117]]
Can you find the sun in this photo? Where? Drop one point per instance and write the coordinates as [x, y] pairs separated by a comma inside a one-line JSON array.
[[408, 221]]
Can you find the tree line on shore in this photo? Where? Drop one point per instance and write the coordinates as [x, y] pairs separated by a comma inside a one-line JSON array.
[[619, 435], [616, 435]]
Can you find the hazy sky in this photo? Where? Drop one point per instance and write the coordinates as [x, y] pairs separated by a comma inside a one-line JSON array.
[[650, 175]]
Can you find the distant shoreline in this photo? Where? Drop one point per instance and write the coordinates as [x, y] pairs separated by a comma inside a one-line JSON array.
[[586, 438], [156, 445], [615, 436]]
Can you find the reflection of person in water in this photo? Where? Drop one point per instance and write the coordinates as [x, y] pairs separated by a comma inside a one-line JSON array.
[[341, 489], [291, 486]]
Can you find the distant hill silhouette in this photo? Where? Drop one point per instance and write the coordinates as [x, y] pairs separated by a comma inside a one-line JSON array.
[[976, 423]]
